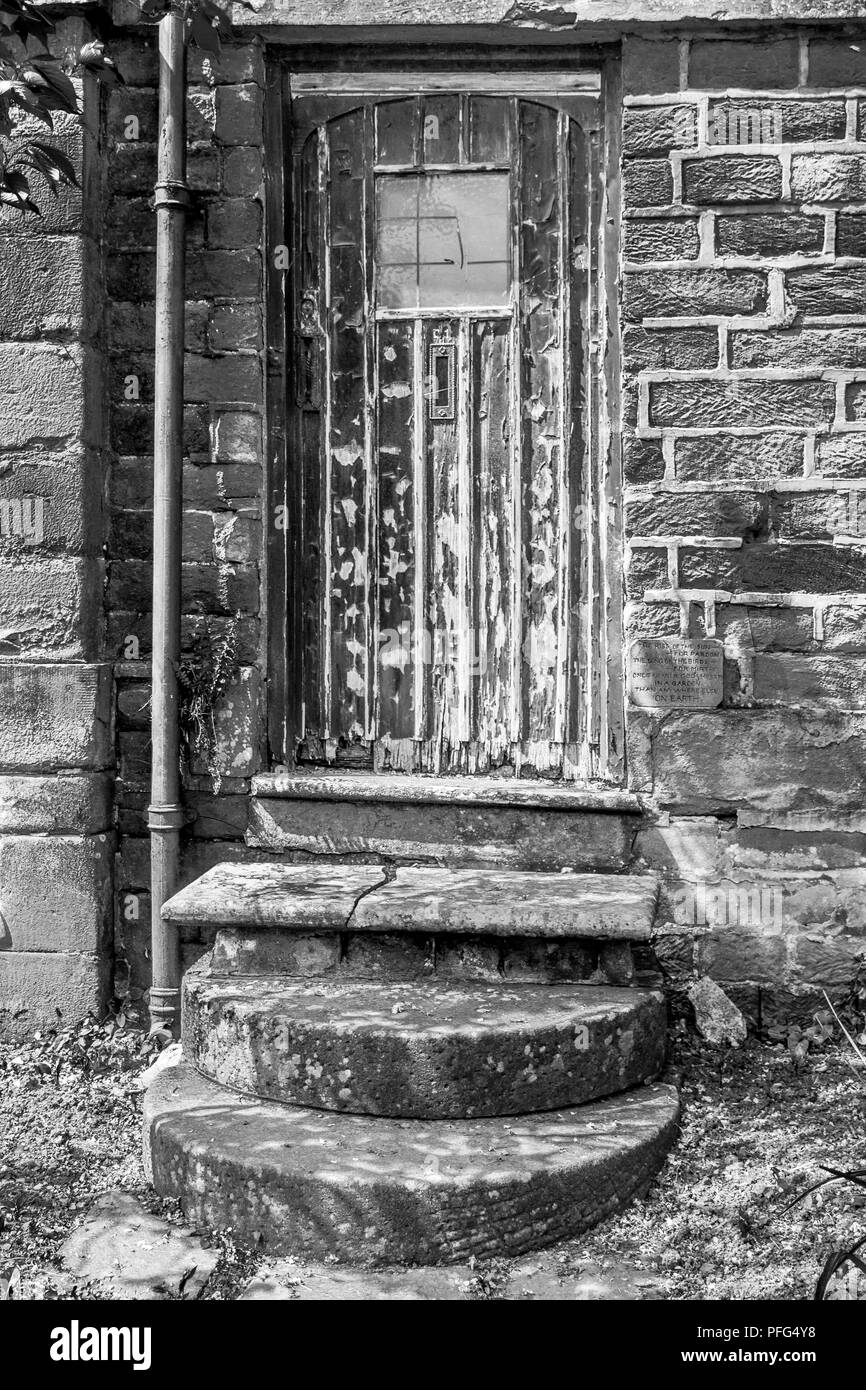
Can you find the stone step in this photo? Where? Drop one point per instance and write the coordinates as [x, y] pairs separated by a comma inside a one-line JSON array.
[[516, 823], [322, 898], [374, 1191], [429, 1051]]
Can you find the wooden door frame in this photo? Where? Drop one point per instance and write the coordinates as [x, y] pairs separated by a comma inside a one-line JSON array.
[[282, 558]]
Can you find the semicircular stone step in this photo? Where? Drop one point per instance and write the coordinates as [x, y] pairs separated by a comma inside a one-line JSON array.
[[421, 1049], [374, 1191]]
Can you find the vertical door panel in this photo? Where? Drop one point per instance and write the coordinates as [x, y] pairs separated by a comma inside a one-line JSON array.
[[348, 432], [396, 548], [446, 725], [309, 315], [543, 463], [496, 567]]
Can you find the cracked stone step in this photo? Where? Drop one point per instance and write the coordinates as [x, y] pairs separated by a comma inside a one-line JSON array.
[[428, 1050], [492, 902], [377, 1191]]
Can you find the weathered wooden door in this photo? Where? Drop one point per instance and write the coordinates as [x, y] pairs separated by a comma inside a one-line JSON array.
[[445, 370]]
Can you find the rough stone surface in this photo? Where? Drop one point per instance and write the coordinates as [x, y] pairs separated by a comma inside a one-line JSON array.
[[718, 1019], [425, 1050], [55, 892], [482, 901], [41, 989], [371, 955], [511, 904], [285, 895], [137, 1255], [516, 837], [55, 805], [370, 1191], [52, 716]]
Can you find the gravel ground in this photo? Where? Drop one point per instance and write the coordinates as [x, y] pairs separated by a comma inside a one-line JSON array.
[[758, 1123]]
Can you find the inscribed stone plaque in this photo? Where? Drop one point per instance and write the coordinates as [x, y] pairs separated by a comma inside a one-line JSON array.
[[675, 673]]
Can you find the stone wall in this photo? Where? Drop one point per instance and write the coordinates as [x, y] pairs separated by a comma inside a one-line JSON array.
[[223, 470], [744, 335], [56, 838]]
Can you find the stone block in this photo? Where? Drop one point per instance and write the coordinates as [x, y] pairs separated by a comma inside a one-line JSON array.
[[647, 183], [54, 716], [806, 347], [833, 961], [46, 508], [239, 114], [703, 514], [767, 759], [55, 805], [44, 394], [643, 460], [740, 953], [669, 348], [49, 287], [750, 62], [650, 66], [660, 238], [836, 62], [733, 457], [732, 179], [771, 120], [55, 893], [678, 293], [850, 234], [769, 234], [706, 403], [658, 129], [234, 222], [50, 608], [234, 377], [835, 289], [40, 989], [813, 516], [646, 568], [243, 171], [828, 178]]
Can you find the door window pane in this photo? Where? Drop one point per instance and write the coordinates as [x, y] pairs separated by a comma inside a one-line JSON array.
[[443, 241]]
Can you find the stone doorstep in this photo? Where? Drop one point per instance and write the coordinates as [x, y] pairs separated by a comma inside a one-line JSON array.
[[445, 791], [493, 902], [373, 1191], [491, 823], [423, 1050]]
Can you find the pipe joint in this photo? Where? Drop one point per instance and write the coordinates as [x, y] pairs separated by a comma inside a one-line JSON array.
[[171, 193], [164, 1006], [166, 818]]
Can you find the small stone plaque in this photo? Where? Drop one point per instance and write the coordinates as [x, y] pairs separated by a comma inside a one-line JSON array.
[[675, 673]]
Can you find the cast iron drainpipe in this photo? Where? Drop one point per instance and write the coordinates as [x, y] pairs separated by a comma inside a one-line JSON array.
[[165, 813]]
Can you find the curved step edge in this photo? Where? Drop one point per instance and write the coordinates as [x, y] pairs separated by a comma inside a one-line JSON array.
[[372, 1191], [422, 1051]]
